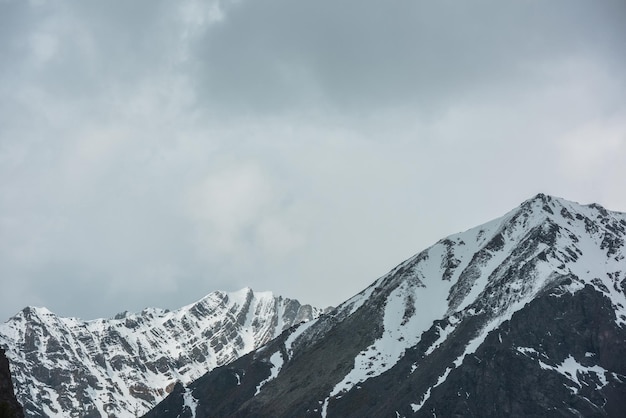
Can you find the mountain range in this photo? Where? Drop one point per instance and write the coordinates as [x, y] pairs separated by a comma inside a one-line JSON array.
[[121, 367], [523, 316]]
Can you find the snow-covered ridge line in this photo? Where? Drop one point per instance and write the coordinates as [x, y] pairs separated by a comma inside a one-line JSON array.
[[126, 364], [467, 268]]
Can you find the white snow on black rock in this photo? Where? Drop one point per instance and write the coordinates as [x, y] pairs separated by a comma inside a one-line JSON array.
[[522, 316], [123, 366]]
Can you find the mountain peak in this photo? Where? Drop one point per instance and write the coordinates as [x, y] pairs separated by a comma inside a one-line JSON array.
[[542, 197], [554, 205], [446, 330], [545, 203], [31, 312]]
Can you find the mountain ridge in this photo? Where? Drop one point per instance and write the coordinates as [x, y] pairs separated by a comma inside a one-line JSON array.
[[417, 329], [125, 364]]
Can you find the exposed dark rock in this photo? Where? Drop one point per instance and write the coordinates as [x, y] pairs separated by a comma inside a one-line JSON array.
[[9, 406], [508, 379]]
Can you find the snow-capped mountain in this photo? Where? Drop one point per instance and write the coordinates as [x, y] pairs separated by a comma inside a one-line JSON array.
[[522, 316], [122, 367]]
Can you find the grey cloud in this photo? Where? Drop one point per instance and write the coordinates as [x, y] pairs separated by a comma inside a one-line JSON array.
[[279, 53], [88, 48], [150, 154]]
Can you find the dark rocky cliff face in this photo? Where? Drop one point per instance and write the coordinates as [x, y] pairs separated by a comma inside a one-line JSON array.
[[563, 356], [9, 406]]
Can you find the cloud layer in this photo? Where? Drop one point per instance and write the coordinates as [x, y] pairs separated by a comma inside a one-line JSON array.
[[154, 151]]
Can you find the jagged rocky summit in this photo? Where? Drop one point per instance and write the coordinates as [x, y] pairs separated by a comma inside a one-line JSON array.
[[121, 367], [524, 316], [9, 406]]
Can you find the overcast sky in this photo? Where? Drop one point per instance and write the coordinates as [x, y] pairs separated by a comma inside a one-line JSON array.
[[154, 151]]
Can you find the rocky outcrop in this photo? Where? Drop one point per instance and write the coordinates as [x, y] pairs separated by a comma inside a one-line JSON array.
[[561, 355], [9, 406]]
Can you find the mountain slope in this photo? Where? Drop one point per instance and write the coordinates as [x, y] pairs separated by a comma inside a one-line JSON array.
[[123, 366], [522, 316]]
